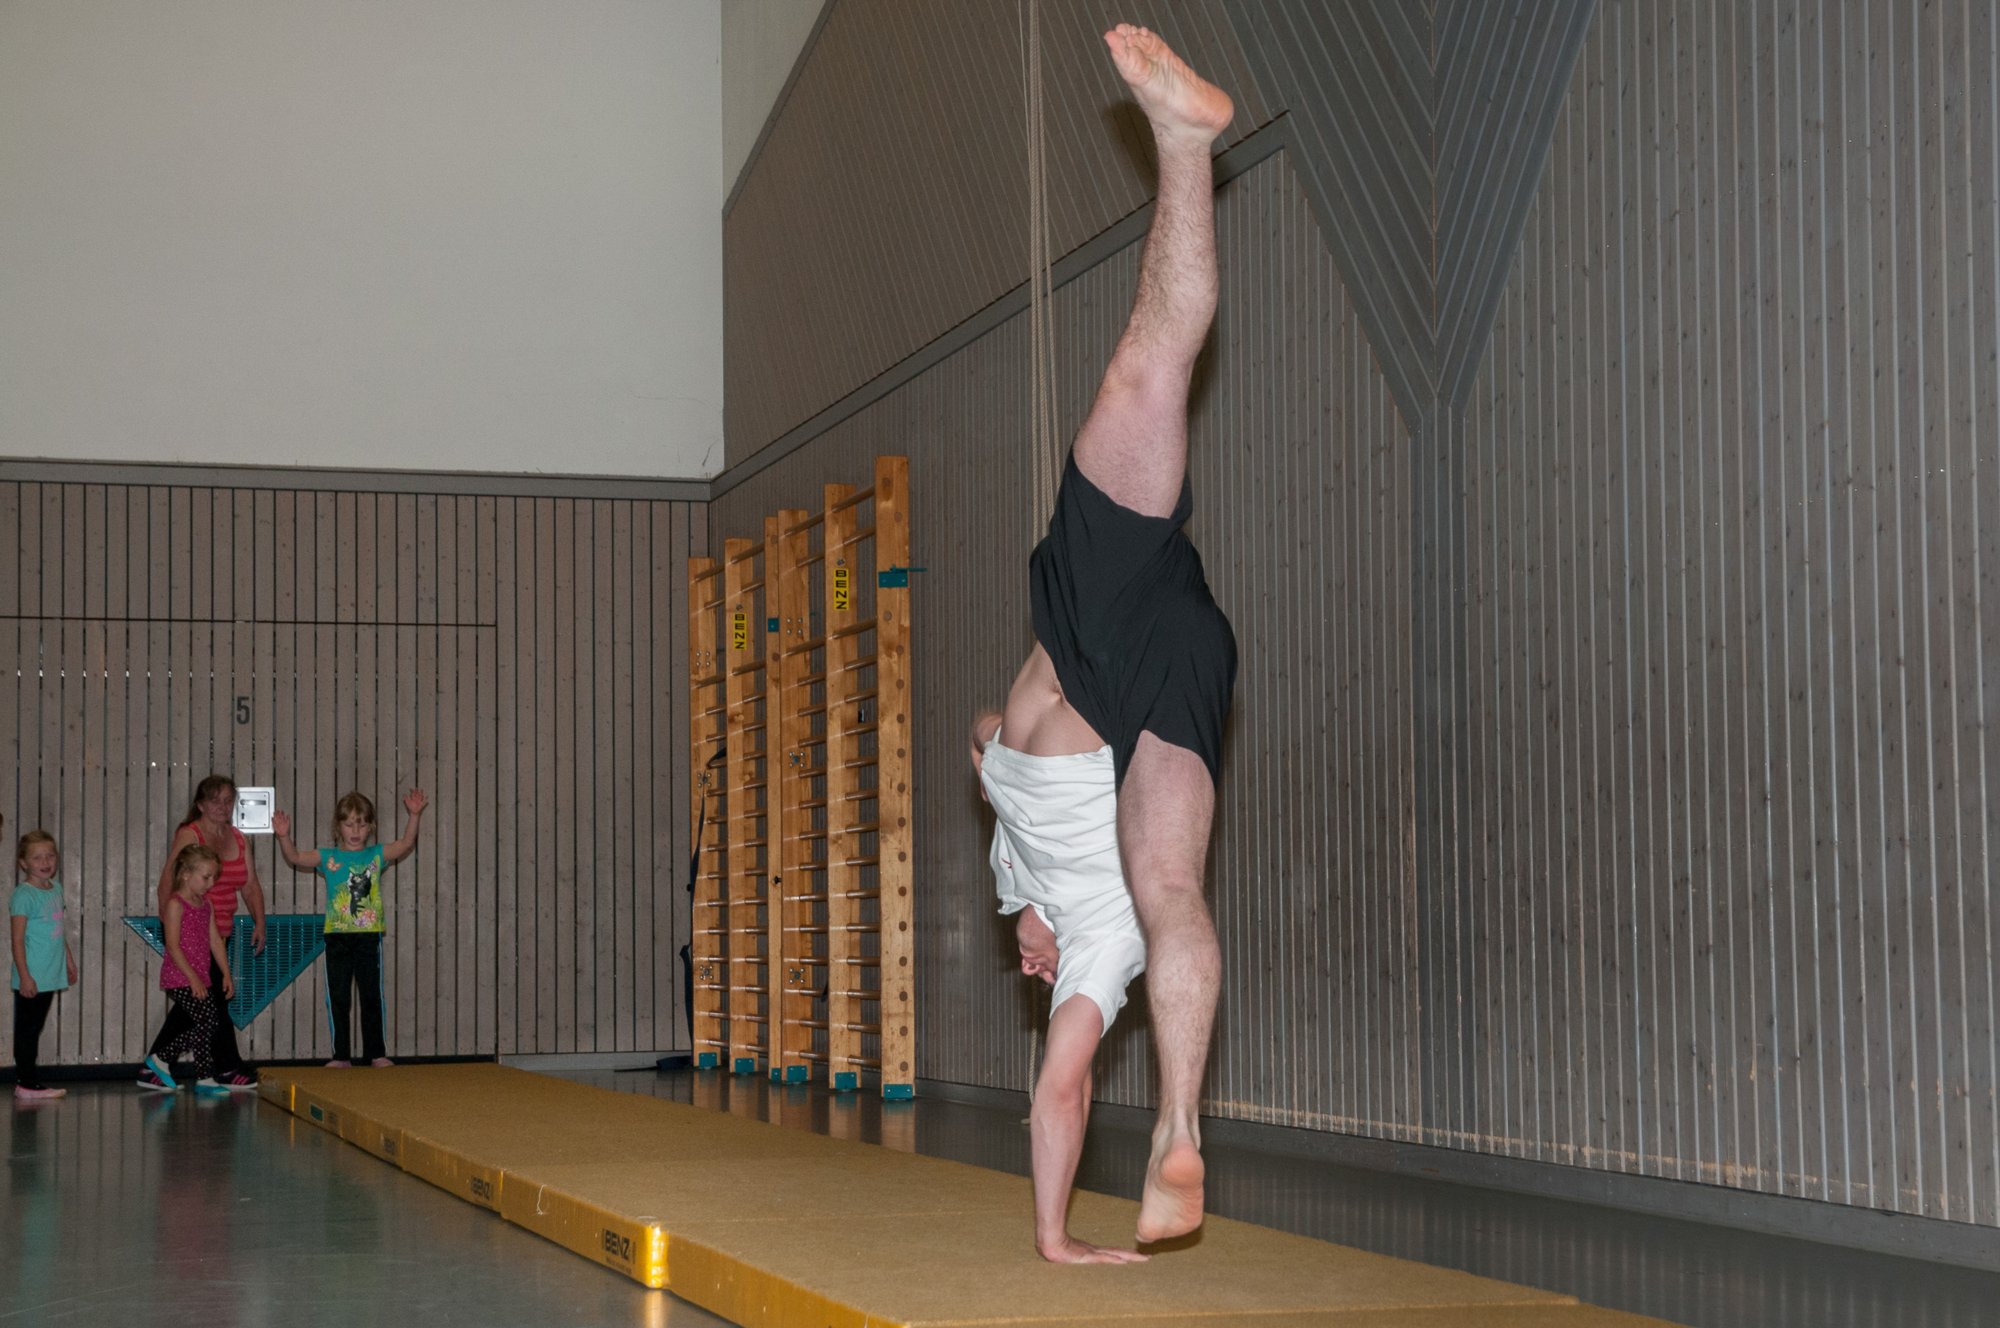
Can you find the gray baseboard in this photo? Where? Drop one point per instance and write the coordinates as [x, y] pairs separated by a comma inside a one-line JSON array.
[[1926, 1238]]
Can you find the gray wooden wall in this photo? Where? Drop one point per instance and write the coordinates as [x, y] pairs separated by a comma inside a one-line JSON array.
[[519, 658], [1607, 784], [1728, 824]]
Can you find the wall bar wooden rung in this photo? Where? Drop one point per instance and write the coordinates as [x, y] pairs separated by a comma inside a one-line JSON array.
[[809, 647]]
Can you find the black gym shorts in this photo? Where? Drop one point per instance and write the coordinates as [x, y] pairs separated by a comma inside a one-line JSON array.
[[1122, 607]]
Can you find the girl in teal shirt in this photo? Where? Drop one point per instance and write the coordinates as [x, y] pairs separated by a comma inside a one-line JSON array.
[[44, 963], [352, 875]]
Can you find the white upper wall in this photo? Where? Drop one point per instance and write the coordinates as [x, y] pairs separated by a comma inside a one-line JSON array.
[[761, 41], [425, 234]]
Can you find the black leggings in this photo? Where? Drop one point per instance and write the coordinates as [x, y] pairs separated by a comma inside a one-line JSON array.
[[354, 960], [195, 1018], [222, 1049], [30, 1013]]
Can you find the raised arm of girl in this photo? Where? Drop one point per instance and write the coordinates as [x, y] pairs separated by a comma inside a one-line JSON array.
[[414, 803], [298, 858]]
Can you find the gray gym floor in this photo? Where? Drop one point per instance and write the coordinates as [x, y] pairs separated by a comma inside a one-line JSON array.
[[119, 1207]]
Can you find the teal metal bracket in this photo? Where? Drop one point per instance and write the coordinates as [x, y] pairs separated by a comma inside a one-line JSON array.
[[292, 941]]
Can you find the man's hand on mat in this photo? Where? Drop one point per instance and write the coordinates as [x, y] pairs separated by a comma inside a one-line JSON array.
[[1068, 1249]]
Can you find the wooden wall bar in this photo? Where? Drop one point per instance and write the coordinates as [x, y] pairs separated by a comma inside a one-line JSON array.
[[805, 964], [522, 659]]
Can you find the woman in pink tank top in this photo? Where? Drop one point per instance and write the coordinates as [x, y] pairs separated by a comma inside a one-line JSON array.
[[208, 823]]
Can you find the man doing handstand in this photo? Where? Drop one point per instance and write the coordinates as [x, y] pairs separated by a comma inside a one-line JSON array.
[[1113, 727]]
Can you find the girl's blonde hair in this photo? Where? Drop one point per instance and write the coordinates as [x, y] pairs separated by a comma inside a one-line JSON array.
[[29, 840], [352, 804], [191, 857]]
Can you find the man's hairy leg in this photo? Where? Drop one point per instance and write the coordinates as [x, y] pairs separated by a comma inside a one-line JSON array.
[[1165, 809], [1055, 1129], [1133, 445]]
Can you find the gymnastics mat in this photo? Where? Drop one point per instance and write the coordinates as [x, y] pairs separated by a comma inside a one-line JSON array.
[[773, 1227]]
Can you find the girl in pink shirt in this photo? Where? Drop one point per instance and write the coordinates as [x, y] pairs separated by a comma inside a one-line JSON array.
[[192, 942]]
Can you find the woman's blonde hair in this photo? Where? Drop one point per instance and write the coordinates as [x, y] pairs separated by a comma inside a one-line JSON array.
[[29, 840], [191, 857], [352, 804]]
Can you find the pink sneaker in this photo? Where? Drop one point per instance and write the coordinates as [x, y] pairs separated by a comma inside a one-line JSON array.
[[381, 1063], [340, 1065], [38, 1093], [238, 1081]]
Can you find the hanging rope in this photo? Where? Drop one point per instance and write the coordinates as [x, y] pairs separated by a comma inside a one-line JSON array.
[[1043, 460], [1041, 314]]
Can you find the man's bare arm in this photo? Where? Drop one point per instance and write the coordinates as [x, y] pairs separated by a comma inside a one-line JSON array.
[[1055, 1129]]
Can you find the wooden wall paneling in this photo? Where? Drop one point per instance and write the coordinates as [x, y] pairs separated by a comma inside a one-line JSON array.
[[627, 943], [109, 973], [167, 785], [896, 777], [600, 886], [520, 786], [441, 696], [32, 556], [245, 726], [556, 945], [289, 1016], [457, 879], [421, 977], [540, 936], [320, 661], [487, 756], [651, 866], [13, 558], [379, 571], [13, 673], [341, 620], [708, 811], [84, 789], [297, 596], [573, 774], [402, 945], [665, 677]]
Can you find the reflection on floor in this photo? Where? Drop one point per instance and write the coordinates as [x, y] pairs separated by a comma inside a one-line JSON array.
[[118, 1207]]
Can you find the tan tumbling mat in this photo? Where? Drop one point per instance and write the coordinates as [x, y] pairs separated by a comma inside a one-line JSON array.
[[773, 1227]]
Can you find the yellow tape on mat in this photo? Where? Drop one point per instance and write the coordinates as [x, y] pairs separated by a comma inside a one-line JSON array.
[[635, 1247]]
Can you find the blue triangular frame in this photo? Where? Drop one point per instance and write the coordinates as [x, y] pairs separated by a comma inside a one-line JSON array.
[[292, 941]]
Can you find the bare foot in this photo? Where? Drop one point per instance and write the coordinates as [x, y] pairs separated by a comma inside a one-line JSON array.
[[1171, 1204], [1071, 1250], [1179, 102]]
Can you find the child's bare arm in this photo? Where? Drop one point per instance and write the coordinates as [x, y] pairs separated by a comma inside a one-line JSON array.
[[414, 803], [20, 929], [221, 953], [297, 858]]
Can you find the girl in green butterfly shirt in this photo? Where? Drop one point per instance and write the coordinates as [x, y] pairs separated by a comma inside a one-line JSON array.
[[352, 874]]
